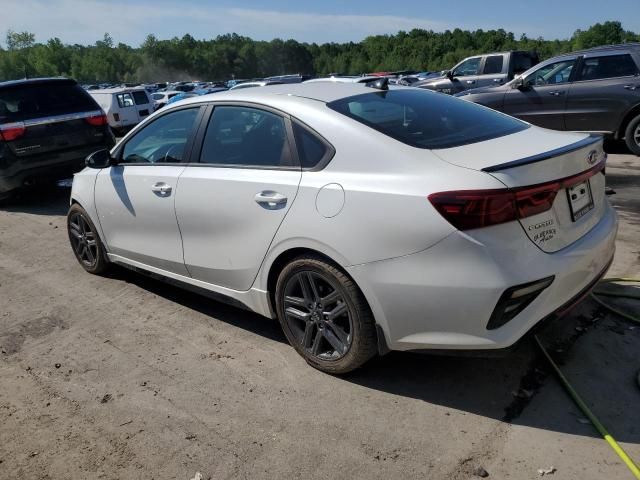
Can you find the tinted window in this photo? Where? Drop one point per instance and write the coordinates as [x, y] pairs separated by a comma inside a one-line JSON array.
[[468, 67], [426, 119], [125, 100], [554, 73], [157, 96], [522, 62], [246, 136], [140, 98], [493, 64], [161, 141], [311, 150], [610, 66], [29, 101]]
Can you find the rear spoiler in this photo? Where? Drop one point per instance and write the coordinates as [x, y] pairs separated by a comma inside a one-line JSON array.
[[540, 157]]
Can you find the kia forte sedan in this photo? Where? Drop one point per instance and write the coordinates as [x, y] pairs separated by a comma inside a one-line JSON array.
[[365, 218]]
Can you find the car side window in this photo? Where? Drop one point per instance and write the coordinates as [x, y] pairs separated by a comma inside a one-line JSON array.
[[552, 74], [247, 137], [493, 64], [163, 140], [125, 100], [610, 66], [311, 149], [468, 67]]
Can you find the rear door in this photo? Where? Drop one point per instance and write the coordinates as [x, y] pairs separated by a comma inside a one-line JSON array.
[[494, 70], [135, 199], [143, 103], [607, 85], [232, 203], [50, 121], [543, 97], [127, 110]]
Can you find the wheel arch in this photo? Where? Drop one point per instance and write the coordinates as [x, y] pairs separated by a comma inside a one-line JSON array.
[[286, 256], [630, 115]]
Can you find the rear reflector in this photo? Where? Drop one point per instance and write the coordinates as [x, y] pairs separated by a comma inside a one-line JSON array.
[[96, 120], [116, 117], [12, 131], [516, 299], [469, 209]]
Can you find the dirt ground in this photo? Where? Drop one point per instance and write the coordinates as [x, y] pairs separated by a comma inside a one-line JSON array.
[[125, 377]]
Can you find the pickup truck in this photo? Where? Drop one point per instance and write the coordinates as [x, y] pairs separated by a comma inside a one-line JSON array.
[[481, 71]]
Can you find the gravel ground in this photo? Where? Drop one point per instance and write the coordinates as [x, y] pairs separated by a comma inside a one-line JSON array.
[[125, 377]]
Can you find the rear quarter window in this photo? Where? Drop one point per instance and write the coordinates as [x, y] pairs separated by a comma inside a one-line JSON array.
[[37, 100], [425, 119]]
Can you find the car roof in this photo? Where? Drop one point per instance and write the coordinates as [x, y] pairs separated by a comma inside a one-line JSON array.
[[619, 46], [117, 90], [35, 81], [320, 91]]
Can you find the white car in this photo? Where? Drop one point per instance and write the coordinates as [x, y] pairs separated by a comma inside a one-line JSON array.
[[261, 83], [364, 219], [344, 79], [160, 99], [125, 107]]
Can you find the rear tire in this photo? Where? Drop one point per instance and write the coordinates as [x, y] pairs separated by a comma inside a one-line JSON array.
[[632, 135], [85, 241], [324, 315]]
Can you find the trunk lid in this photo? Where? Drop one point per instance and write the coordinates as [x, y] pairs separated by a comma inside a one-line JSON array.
[[537, 156]]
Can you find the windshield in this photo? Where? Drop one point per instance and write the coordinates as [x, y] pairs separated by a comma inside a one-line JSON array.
[[425, 119]]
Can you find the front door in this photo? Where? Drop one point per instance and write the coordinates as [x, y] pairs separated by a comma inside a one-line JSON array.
[[543, 96], [231, 205], [466, 73], [135, 198]]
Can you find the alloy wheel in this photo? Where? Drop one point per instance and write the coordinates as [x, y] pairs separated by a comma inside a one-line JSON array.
[[636, 135], [318, 315], [83, 240]]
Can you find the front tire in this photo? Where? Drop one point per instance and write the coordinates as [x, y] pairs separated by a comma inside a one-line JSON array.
[[324, 315], [632, 135], [85, 242]]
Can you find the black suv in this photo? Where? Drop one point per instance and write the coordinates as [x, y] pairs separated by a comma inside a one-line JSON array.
[[595, 90], [47, 128]]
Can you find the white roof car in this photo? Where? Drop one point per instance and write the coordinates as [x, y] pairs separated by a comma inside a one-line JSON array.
[[261, 83], [364, 219], [345, 79], [125, 107]]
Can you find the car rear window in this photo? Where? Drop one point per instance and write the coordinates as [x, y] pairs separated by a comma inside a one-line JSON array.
[[140, 97], [36, 100], [425, 119]]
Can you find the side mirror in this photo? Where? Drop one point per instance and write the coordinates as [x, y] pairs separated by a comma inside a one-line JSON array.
[[518, 83], [99, 159], [448, 74]]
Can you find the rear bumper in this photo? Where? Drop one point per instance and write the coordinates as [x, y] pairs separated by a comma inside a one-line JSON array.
[[443, 297], [24, 172]]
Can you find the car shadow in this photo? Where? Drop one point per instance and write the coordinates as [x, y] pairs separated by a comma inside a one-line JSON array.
[[498, 386], [41, 200]]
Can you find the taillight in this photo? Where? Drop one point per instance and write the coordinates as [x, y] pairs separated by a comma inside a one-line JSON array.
[[12, 131], [469, 209], [96, 120]]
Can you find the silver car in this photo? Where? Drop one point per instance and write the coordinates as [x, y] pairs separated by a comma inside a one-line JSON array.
[[366, 218]]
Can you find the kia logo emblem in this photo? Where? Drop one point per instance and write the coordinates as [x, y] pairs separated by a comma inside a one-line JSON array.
[[592, 157]]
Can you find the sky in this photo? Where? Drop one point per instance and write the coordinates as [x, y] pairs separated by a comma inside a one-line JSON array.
[[129, 21]]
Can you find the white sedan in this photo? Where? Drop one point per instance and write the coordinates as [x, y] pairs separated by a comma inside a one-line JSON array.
[[366, 218]]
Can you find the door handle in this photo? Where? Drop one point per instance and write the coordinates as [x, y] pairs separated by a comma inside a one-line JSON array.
[[270, 200], [556, 93], [497, 80], [161, 188], [470, 82], [631, 87]]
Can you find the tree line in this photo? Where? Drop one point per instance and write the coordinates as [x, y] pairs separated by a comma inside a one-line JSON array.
[[236, 56]]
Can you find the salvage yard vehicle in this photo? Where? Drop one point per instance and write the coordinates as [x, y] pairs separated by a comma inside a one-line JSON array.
[[366, 218], [595, 90], [481, 71], [47, 128], [125, 107], [160, 99]]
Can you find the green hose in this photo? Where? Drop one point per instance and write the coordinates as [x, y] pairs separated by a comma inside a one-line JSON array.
[[595, 294]]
